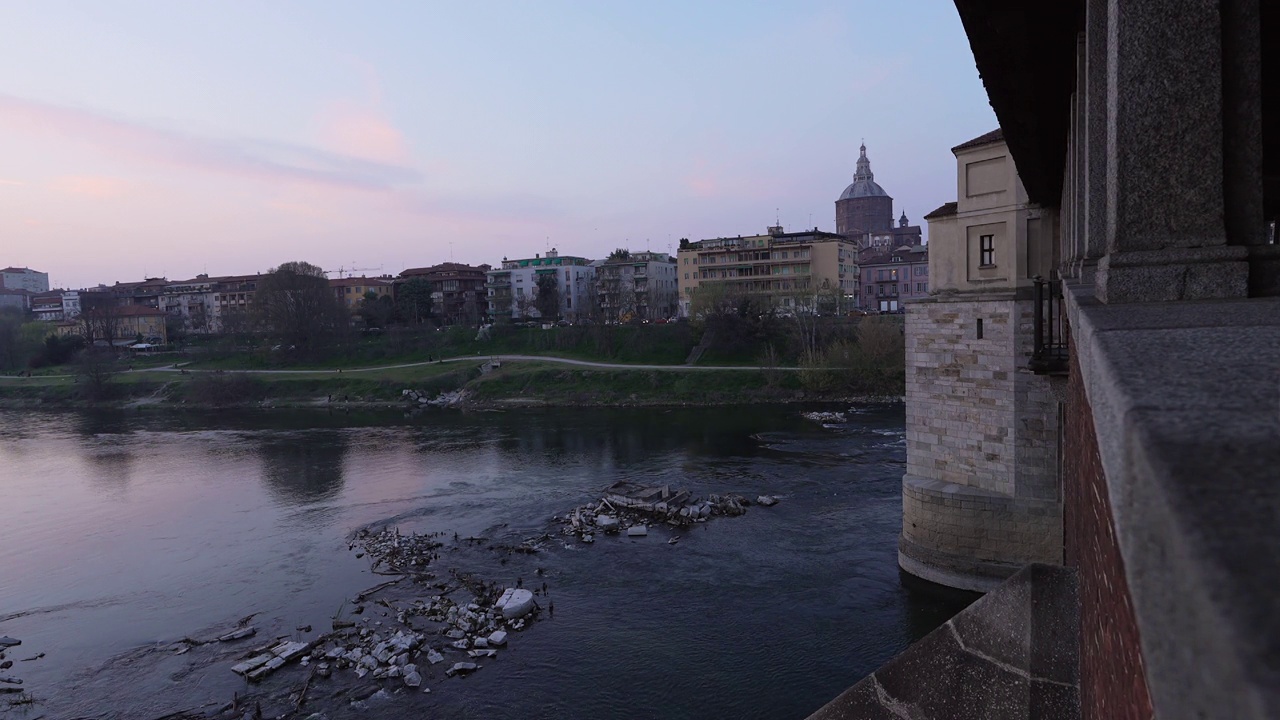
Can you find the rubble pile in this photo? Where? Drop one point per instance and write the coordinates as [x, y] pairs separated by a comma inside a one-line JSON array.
[[453, 398], [633, 508], [824, 417], [8, 683], [400, 553], [406, 637]]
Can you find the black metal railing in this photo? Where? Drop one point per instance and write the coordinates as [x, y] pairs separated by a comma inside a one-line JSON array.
[[1049, 353]]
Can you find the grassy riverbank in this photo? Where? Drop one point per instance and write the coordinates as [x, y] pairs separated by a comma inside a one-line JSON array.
[[528, 383]]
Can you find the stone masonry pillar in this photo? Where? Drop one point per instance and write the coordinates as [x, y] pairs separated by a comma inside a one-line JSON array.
[[1166, 232]]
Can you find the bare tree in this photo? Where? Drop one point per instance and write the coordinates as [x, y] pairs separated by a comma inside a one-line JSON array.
[[295, 301], [547, 300]]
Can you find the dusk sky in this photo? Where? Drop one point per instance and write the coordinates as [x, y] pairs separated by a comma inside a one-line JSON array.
[[170, 139]]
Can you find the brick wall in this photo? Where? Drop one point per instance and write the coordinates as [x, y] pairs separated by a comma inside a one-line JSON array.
[[1113, 682]]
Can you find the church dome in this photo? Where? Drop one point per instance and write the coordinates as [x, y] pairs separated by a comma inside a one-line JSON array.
[[864, 181], [863, 188]]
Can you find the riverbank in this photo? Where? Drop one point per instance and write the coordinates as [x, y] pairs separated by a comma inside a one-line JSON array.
[[473, 383]]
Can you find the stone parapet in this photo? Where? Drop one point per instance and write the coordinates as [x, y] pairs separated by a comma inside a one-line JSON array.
[[1013, 654], [1183, 404]]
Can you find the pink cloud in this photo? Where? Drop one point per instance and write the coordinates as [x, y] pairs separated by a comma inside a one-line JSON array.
[[90, 185], [362, 132], [259, 159]]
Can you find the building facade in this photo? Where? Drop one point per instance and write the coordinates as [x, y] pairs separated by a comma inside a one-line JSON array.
[[980, 496], [458, 292], [811, 270], [512, 288], [892, 277], [15, 278], [636, 285], [350, 291]]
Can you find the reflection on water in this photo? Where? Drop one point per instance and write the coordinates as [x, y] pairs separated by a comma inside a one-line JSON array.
[[128, 530], [303, 470]]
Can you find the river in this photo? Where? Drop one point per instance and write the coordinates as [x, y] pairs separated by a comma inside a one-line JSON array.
[[123, 532]]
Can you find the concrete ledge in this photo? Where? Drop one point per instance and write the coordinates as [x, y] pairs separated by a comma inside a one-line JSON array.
[[1013, 654], [1186, 408]]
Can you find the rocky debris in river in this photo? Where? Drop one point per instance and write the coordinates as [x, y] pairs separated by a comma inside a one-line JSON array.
[[636, 508], [767, 500], [460, 668], [399, 553], [238, 634], [453, 398], [824, 417], [7, 641]]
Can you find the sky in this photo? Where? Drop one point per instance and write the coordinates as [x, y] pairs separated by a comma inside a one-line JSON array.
[[168, 139]]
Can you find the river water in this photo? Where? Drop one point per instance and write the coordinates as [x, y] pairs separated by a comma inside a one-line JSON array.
[[123, 532]]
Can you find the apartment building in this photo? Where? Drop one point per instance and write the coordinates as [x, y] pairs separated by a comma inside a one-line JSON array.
[[512, 288], [812, 269], [636, 285], [350, 291], [892, 277], [458, 294], [16, 278]]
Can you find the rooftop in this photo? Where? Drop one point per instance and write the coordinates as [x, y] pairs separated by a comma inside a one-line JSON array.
[[943, 211], [991, 138]]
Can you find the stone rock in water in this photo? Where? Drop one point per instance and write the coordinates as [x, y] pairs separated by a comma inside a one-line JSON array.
[[461, 667], [239, 634], [637, 531], [515, 603], [434, 657], [412, 679], [7, 641], [606, 522], [498, 638], [767, 500]]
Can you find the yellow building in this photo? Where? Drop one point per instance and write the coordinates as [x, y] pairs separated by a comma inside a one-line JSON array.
[[350, 291], [804, 269]]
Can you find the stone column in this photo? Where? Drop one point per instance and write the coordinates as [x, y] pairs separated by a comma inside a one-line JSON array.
[[1166, 234], [1094, 183]]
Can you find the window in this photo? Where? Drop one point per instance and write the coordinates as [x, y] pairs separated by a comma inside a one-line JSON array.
[[686, 276], [987, 251], [920, 287]]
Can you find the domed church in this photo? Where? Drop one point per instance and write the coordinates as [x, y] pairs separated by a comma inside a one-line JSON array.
[[864, 212]]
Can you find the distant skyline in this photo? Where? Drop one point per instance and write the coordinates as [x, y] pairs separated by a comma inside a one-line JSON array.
[[161, 139]]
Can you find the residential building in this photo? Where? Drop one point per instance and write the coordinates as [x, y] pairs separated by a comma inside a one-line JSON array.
[[893, 277], [458, 293], [811, 270], [636, 285], [233, 302], [350, 291], [192, 301], [864, 212], [15, 278], [127, 323], [47, 306], [16, 299], [512, 288]]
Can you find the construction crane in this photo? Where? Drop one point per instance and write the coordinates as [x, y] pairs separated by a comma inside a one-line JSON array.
[[344, 271]]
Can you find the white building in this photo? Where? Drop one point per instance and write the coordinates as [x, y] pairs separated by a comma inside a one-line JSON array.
[[512, 288], [636, 285], [12, 278]]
